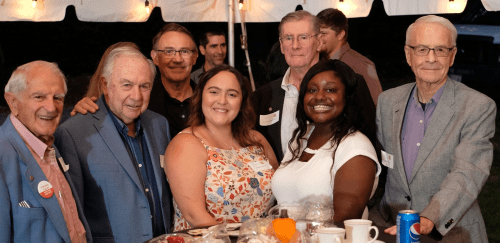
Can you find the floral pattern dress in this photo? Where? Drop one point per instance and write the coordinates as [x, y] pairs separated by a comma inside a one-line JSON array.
[[234, 192]]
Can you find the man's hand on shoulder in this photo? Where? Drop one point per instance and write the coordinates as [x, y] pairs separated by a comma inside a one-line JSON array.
[[84, 105], [426, 227]]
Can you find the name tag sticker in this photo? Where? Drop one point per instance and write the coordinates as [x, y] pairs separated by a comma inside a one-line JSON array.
[[162, 160], [269, 119], [387, 159], [260, 165], [64, 166]]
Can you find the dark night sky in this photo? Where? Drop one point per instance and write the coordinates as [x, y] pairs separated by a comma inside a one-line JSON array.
[[77, 46]]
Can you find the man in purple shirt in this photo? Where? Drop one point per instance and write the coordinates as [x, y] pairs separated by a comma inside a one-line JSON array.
[[436, 137]]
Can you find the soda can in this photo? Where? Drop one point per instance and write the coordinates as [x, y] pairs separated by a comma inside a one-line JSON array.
[[408, 223]]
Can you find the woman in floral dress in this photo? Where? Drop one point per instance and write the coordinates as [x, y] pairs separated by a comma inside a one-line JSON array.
[[219, 169]]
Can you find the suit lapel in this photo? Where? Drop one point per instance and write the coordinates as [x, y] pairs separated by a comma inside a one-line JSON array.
[[277, 105], [154, 154], [109, 134], [51, 205], [440, 119], [399, 113]]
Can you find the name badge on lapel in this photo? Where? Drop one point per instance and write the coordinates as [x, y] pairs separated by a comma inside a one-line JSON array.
[[63, 165], [269, 119], [387, 159], [162, 160]]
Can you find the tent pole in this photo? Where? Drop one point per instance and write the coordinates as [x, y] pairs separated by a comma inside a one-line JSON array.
[[230, 33]]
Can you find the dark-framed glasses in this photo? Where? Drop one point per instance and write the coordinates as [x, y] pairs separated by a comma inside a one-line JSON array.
[[303, 40], [440, 51], [170, 53]]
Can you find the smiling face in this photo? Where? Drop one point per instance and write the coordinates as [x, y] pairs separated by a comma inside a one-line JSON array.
[[332, 41], [215, 50], [297, 55], [324, 99], [430, 68], [221, 99], [177, 68], [127, 94], [40, 105]]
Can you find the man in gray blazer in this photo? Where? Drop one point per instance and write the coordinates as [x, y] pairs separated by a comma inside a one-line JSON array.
[[116, 154], [436, 136]]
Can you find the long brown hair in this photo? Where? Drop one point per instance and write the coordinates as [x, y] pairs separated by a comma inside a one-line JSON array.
[[246, 118]]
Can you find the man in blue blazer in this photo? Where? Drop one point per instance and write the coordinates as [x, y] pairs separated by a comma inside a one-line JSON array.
[[37, 199], [116, 154]]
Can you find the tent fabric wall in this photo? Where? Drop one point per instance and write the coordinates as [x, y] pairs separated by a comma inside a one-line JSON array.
[[172, 10], [215, 10], [420, 7], [491, 5]]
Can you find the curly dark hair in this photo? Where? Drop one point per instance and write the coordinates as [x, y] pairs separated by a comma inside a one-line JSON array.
[[358, 113], [246, 118]]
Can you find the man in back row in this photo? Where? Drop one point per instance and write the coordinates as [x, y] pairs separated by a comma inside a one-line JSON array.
[[275, 103], [334, 31], [213, 46], [174, 53]]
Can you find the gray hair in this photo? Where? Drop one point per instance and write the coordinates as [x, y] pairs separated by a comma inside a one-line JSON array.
[[298, 16], [18, 80], [109, 63], [433, 19]]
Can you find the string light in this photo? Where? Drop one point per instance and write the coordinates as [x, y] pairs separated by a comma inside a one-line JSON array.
[[146, 6], [345, 7], [33, 3], [456, 6], [240, 5]]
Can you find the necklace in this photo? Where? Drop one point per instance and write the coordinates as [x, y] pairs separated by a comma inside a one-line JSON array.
[[220, 140]]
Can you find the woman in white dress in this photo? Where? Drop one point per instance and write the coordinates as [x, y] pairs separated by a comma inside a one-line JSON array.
[[331, 156]]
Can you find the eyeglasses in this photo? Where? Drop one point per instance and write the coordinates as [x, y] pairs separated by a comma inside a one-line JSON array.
[[303, 40], [440, 51], [170, 53]]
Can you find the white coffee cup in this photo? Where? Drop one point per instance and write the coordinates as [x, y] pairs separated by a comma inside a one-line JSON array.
[[331, 234], [358, 231]]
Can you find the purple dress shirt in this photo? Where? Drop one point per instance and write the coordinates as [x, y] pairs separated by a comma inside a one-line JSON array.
[[415, 124]]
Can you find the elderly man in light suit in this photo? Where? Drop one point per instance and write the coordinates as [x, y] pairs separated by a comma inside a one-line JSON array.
[[116, 154], [38, 202], [436, 135]]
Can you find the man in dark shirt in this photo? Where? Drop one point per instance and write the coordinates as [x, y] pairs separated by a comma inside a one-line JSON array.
[[174, 53], [213, 46]]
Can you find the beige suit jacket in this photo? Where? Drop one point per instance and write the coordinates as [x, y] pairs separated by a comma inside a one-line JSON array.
[[452, 165]]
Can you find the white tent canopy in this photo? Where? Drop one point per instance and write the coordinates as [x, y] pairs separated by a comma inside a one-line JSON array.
[[214, 10]]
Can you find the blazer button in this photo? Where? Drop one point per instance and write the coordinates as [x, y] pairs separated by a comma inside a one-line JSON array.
[[408, 198], [32, 178]]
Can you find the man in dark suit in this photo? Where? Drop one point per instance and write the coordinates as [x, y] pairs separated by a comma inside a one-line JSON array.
[[275, 103], [38, 202], [436, 136], [116, 154]]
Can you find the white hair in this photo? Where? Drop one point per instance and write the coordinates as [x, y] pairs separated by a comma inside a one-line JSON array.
[[18, 80], [433, 19], [109, 63]]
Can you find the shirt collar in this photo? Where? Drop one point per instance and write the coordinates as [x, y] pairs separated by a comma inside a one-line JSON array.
[[338, 53], [285, 83], [191, 83], [435, 98], [29, 138], [120, 125]]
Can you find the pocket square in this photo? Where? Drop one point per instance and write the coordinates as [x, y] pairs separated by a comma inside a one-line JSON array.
[[25, 204]]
